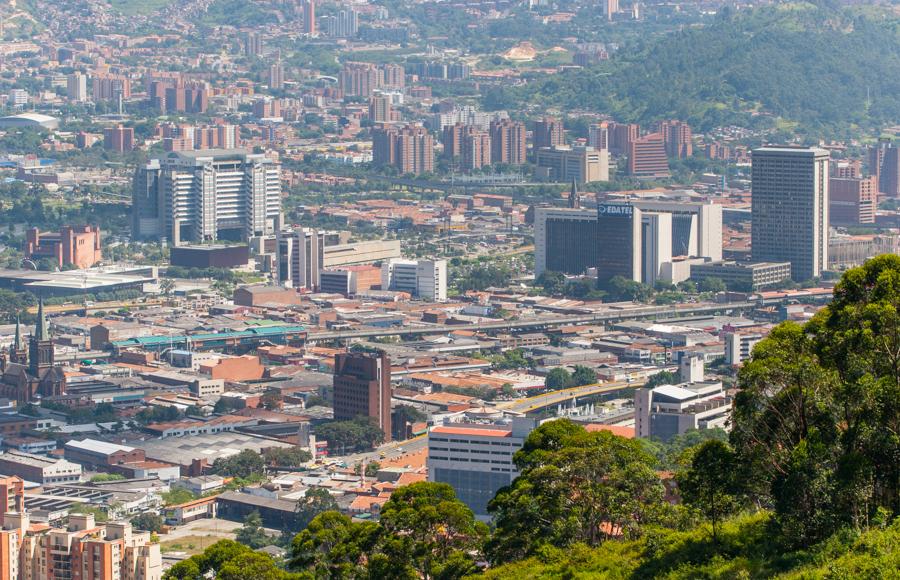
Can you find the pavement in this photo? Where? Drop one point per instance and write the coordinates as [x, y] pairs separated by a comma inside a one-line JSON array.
[[563, 396]]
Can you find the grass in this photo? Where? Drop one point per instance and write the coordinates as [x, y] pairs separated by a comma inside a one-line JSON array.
[[191, 545], [137, 7]]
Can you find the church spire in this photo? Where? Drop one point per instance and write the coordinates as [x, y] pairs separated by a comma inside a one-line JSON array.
[[18, 343], [41, 329], [574, 200]]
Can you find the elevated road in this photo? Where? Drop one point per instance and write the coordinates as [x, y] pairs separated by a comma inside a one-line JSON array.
[[654, 312], [552, 399]]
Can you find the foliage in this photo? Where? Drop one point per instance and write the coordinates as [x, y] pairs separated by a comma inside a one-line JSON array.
[[583, 375], [100, 515], [712, 285], [286, 457], [673, 454], [481, 277], [662, 378], [817, 416], [424, 532], [252, 533], [510, 360], [558, 378], [360, 434], [158, 414], [245, 464], [177, 496], [102, 477], [148, 522], [710, 483], [316, 501], [574, 487], [621, 289], [227, 559]]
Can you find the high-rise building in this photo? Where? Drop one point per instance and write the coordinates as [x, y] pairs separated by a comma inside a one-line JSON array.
[[610, 8], [119, 139], [666, 411], [678, 138], [656, 246], [76, 87], [70, 246], [647, 157], [508, 142], [583, 164], [476, 459], [598, 136], [423, 279], [548, 132], [852, 201], [790, 208], [301, 256], [621, 136], [410, 149], [566, 240], [884, 164], [253, 45], [380, 109], [360, 79], [309, 17], [470, 146], [362, 388], [343, 24], [110, 87], [198, 196], [17, 98], [276, 75]]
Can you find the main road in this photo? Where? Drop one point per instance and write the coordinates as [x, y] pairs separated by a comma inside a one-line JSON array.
[[542, 401]]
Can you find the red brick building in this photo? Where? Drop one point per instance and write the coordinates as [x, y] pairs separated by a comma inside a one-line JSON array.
[[76, 246]]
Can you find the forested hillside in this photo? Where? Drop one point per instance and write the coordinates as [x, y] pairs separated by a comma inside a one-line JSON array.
[[826, 68]]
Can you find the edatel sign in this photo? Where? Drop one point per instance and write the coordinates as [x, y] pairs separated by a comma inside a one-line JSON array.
[[612, 209]]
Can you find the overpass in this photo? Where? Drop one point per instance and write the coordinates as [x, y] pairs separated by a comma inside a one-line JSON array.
[[654, 312], [554, 398]]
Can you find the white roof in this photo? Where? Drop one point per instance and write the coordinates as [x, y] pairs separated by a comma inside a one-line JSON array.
[[675, 392], [96, 446], [36, 117]]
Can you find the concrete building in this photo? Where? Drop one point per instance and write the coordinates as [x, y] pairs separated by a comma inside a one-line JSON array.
[[361, 253], [647, 157], [739, 346], [203, 196], [349, 280], [668, 410], [39, 468], [476, 459], [260, 295], [790, 208], [621, 135], [309, 17], [119, 139], [583, 164], [508, 142], [423, 279], [301, 255], [362, 387], [410, 149], [741, 276], [678, 139], [852, 200], [93, 453], [548, 133], [76, 87], [71, 246]]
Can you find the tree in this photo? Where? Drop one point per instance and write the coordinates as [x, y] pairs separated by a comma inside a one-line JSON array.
[[245, 464], [286, 457], [360, 434], [252, 533], [229, 560], [621, 288], [583, 376], [662, 378], [372, 468], [101, 477], [712, 285], [558, 378], [573, 487], [709, 484], [317, 500], [149, 522], [553, 283], [177, 496], [333, 546]]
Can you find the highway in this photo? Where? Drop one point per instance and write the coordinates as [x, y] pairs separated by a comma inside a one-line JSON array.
[[527, 323], [553, 398]]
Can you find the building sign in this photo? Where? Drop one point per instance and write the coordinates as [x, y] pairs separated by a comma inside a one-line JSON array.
[[611, 209]]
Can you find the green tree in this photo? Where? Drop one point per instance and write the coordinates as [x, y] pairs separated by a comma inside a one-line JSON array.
[[583, 376], [317, 500], [148, 522], [662, 378], [252, 533], [709, 484], [286, 457], [372, 468], [558, 378], [245, 464], [177, 496], [712, 285], [360, 434], [333, 546], [574, 486]]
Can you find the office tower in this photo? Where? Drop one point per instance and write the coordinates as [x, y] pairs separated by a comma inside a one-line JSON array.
[[666, 411], [476, 459], [884, 164], [548, 132], [621, 240], [362, 388], [476, 150], [301, 256], [391, 76], [76, 87], [410, 149], [201, 196], [583, 164], [508, 142], [253, 46], [309, 17], [678, 138], [423, 279], [565, 240], [647, 157], [344, 24], [790, 208], [851, 169], [119, 139], [852, 201], [452, 140], [276, 76], [656, 245], [380, 109], [598, 136], [696, 227], [739, 346], [621, 136]]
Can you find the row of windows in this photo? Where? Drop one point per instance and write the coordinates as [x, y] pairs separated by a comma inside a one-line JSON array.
[[467, 442]]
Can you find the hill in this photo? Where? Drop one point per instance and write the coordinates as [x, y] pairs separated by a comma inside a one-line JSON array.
[[745, 550], [823, 67]]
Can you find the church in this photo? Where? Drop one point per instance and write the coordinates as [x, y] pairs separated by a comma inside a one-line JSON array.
[[29, 375]]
